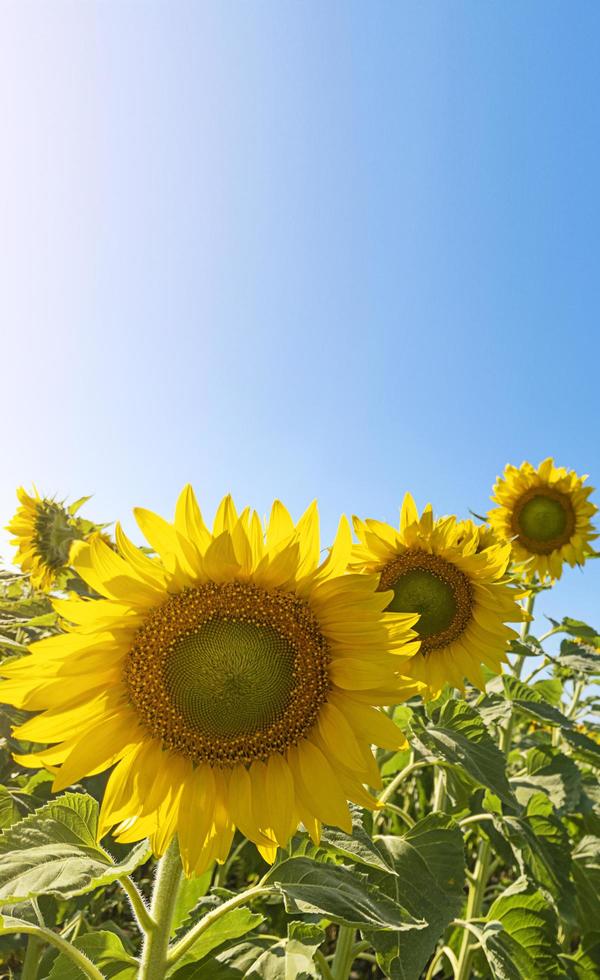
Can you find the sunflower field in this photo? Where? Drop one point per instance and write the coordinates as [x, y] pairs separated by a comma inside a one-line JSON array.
[[239, 751]]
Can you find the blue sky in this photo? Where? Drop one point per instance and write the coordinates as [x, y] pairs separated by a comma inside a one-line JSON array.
[[333, 250]]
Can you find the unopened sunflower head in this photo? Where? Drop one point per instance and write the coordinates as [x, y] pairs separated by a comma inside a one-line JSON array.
[[546, 515], [44, 531], [439, 569], [234, 680]]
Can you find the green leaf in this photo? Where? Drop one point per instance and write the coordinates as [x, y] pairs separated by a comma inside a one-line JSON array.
[[529, 701], [232, 963], [559, 780], [231, 925], [585, 965], [525, 945], [583, 748], [429, 862], [586, 874], [358, 847], [343, 896], [580, 659], [54, 852], [105, 950], [543, 844], [291, 958], [460, 738], [9, 812], [190, 892], [575, 627]]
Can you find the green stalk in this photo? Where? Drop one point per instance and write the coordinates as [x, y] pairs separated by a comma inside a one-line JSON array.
[[520, 660], [344, 953], [138, 906], [481, 872], [181, 947], [399, 778], [156, 942], [32, 958], [53, 939], [474, 904]]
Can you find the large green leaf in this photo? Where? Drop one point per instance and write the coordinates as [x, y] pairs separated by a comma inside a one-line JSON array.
[[342, 895], [542, 841], [459, 738], [292, 958], [525, 948], [191, 890], [54, 852], [585, 964], [105, 950], [429, 862], [559, 780], [586, 875], [9, 812], [583, 748], [232, 963], [231, 925], [530, 701], [577, 658], [358, 847]]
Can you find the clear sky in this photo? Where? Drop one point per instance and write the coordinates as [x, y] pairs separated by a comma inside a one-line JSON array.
[[317, 249]]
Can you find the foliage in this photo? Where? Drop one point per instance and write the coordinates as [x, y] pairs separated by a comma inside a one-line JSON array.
[[482, 861]]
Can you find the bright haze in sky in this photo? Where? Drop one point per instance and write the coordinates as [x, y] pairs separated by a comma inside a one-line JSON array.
[[332, 250]]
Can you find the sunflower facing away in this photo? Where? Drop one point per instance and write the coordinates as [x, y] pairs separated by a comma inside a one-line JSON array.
[[439, 569], [546, 515], [44, 532], [231, 681]]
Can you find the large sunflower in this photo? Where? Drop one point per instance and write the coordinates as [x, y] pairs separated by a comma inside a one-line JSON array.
[[546, 515], [231, 681], [439, 569], [44, 532]]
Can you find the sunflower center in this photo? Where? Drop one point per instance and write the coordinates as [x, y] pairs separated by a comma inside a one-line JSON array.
[[231, 677], [436, 589], [543, 519], [229, 673]]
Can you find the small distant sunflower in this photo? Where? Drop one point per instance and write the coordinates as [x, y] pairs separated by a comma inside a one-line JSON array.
[[486, 537], [44, 532], [231, 681], [546, 515], [438, 569]]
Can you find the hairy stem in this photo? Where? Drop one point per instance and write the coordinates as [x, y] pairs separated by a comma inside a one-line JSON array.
[[156, 942], [53, 939], [140, 910], [177, 951]]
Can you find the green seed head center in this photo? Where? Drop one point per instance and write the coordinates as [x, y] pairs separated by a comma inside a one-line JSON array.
[[543, 518], [230, 678], [422, 591]]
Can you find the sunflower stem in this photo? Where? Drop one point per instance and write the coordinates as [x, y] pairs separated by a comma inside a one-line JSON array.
[[344, 953], [32, 958], [481, 873], [156, 942], [53, 939], [140, 910], [181, 947]]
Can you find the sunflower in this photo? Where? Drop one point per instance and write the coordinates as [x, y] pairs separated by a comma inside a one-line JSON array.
[[232, 681], [546, 515], [44, 532], [439, 569]]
